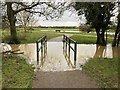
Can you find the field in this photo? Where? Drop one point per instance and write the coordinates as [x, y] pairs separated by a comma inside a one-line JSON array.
[[17, 73], [33, 35]]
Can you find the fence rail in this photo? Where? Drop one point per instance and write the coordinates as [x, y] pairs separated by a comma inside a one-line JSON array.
[[42, 47], [67, 47]]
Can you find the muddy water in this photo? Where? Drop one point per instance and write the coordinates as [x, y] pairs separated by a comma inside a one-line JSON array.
[[55, 60], [29, 51], [86, 51]]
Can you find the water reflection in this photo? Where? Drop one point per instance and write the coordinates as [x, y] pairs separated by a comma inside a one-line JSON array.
[[43, 55], [100, 51], [86, 51], [55, 60], [15, 46], [69, 62], [107, 51], [116, 51], [29, 51]]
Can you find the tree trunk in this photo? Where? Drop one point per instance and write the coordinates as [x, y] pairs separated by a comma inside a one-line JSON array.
[[103, 37], [100, 37], [116, 33], [25, 28], [12, 20]]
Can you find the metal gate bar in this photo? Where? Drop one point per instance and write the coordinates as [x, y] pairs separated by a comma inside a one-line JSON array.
[[67, 45], [42, 47]]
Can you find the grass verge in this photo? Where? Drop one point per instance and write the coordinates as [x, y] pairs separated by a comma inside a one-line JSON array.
[[87, 39], [84, 39], [104, 71], [16, 73], [0, 73]]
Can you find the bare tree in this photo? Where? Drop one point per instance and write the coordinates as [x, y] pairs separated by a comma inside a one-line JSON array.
[[32, 21], [26, 19], [4, 18], [47, 9]]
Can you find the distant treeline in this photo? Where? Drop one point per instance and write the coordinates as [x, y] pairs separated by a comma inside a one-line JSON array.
[[57, 27], [69, 27]]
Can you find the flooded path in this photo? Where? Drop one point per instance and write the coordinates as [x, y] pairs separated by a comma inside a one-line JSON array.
[[55, 72], [55, 60]]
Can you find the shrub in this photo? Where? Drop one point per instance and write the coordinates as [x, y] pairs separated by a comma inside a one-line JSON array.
[[85, 28]]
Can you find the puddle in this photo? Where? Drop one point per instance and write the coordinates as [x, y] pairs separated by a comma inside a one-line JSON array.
[[55, 60]]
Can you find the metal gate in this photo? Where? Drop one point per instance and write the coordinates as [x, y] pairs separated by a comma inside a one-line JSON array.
[[67, 47], [41, 45]]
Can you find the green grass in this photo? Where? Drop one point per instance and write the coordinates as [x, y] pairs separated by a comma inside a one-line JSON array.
[[16, 73], [35, 35], [104, 71], [30, 37], [84, 39], [87, 39], [0, 73], [59, 28]]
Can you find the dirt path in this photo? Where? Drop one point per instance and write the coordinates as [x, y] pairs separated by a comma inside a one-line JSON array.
[[63, 79]]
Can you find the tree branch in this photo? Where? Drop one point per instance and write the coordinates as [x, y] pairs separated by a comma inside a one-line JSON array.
[[26, 7], [34, 11]]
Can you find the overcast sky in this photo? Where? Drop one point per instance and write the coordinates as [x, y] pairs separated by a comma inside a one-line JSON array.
[[69, 18]]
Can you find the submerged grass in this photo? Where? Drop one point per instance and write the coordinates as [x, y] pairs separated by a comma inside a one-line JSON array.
[[16, 73], [104, 71]]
